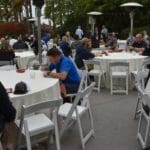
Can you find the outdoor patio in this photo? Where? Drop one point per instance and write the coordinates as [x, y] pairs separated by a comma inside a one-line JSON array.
[[115, 128]]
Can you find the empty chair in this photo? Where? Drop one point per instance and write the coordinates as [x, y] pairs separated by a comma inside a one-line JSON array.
[[119, 75], [139, 85], [122, 44], [144, 122], [142, 69], [140, 79], [96, 71], [73, 112], [33, 123], [33, 63]]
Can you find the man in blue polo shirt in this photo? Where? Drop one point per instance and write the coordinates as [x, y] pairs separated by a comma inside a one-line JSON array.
[[66, 71]]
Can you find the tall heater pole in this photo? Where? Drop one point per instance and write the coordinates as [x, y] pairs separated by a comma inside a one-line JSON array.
[[39, 4]]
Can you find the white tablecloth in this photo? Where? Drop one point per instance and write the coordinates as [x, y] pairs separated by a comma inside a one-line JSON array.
[[23, 58], [134, 60], [41, 89]]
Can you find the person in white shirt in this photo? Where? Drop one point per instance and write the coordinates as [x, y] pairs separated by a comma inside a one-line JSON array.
[[12, 41], [79, 32], [104, 33]]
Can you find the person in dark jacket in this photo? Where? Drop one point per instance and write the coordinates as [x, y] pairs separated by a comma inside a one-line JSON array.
[[20, 45], [6, 52], [95, 42], [65, 47], [83, 52], [7, 114]]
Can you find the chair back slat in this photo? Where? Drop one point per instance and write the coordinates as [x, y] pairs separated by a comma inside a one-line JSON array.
[[86, 94], [123, 65], [40, 106], [92, 62], [83, 81], [118, 64]]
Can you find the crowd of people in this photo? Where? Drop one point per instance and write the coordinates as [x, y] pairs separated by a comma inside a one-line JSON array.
[[66, 57]]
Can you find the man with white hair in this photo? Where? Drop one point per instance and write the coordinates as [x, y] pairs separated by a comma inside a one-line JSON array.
[[79, 32], [139, 45]]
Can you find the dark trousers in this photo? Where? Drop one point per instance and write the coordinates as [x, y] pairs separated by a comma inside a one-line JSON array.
[[71, 89]]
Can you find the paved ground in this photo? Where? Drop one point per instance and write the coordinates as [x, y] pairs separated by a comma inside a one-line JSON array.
[[114, 125]]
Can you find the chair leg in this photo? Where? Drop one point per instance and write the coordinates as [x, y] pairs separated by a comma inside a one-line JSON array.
[[104, 78], [111, 86], [56, 132], [143, 140], [80, 132], [91, 120], [147, 134], [28, 140], [99, 83], [137, 106], [126, 86]]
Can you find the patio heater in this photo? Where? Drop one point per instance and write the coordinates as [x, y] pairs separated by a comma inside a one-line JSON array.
[[92, 19], [131, 6], [39, 4]]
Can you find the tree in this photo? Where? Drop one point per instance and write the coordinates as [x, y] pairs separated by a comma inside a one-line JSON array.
[[14, 8], [58, 10]]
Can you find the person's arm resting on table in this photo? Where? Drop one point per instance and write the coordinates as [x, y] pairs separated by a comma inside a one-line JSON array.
[[51, 67], [63, 72]]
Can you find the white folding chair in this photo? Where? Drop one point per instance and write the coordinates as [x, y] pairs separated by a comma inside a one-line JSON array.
[[140, 77], [122, 44], [98, 72], [142, 69], [143, 134], [74, 112], [33, 63], [119, 74], [82, 85], [38, 123]]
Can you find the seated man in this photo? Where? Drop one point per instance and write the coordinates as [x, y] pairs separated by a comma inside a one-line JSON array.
[[112, 41], [76, 43], [20, 45], [64, 46], [139, 45], [65, 71], [83, 52]]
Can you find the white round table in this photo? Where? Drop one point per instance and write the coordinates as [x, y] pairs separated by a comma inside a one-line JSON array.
[[40, 88], [23, 58], [133, 59]]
